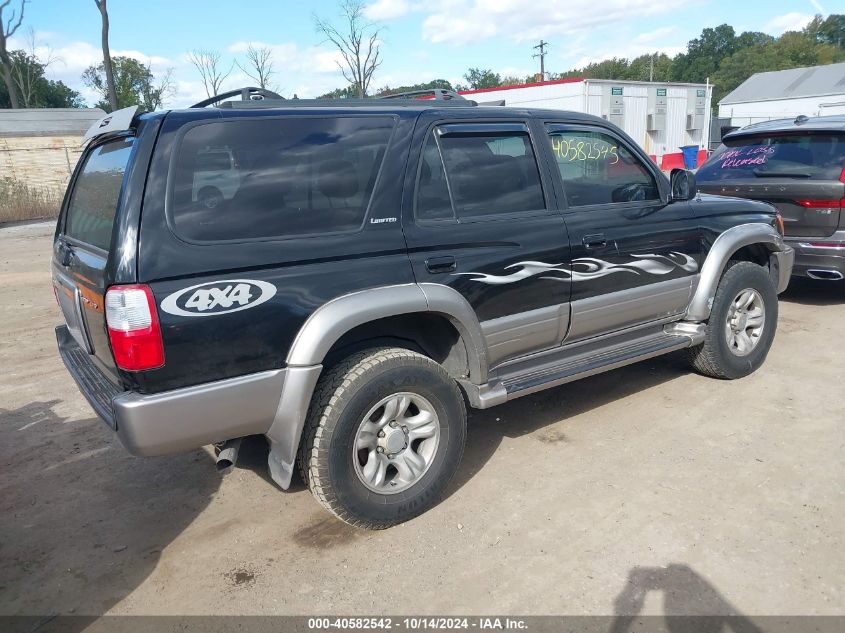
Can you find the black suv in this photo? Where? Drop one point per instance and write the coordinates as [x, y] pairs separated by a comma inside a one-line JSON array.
[[373, 266], [797, 165]]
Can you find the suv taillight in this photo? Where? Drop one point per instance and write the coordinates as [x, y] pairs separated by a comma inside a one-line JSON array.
[[134, 329]]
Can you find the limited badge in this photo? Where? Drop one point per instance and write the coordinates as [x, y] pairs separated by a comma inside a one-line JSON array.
[[218, 297]]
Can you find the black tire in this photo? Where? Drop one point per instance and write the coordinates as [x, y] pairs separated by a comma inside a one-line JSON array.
[[343, 397], [210, 197], [715, 356]]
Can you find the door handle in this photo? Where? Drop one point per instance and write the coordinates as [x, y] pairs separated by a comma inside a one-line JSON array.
[[594, 241], [445, 264]]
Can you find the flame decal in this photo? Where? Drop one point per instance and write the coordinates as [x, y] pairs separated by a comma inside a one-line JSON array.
[[585, 268]]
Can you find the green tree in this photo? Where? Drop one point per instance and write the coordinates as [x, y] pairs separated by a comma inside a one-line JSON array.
[[349, 92], [33, 88], [428, 85], [705, 54], [134, 84], [478, 78]]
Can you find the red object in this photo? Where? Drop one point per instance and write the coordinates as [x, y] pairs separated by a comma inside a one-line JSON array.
[[136, 347], [653, 158], [672, 161], [821, 204], [702, 156], [572, 80]]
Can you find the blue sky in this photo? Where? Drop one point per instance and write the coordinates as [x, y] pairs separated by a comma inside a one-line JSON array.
[[422, 40]]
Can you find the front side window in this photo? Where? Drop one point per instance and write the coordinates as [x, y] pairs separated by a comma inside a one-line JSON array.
[[259, 178], [96, 193], [597, 169], [487, 173]]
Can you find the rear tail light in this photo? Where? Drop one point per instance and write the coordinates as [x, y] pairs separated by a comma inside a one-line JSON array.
[[820, 204], [134, 330]]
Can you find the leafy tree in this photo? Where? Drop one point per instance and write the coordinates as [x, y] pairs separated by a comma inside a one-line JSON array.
[[349, 92], [134, 84], [478, 78], [831, 30], [428, 85], [34, 89], [705, 54]]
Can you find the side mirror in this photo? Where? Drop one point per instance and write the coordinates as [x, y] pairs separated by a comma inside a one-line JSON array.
[[682, 185]]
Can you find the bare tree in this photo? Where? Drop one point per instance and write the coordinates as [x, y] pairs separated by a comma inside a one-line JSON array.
[[28, 67], [107, 65], [259, 65], [210, 70], [7, 30], [357, 42]]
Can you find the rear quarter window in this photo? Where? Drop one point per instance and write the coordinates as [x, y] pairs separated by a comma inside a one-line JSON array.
[[265, 178], [818, 156], [96, 194]]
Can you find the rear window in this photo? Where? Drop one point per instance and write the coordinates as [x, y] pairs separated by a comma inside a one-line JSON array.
[[237, 180], [96, 193], [805, 156]]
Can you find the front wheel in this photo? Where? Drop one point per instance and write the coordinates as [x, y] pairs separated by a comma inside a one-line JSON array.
[[742, 323], [385, 434]]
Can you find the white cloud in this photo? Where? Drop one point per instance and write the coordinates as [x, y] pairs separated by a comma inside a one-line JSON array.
[[788, 22], [465, 21], [387, 9], [656, 35]]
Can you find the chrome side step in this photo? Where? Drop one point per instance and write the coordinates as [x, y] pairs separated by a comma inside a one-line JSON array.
[[568, 365]]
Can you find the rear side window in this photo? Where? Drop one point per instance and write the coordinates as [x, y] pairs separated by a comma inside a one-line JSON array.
[[596, 169], [486, 173], [237, 180], [96, 194], [804, 156]]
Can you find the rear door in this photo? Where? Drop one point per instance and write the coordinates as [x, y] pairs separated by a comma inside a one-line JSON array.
[[480, 217], [799, 173], [82, 245]]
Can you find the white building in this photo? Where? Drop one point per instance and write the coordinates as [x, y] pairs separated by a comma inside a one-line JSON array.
[[661, 117], [813, 91]]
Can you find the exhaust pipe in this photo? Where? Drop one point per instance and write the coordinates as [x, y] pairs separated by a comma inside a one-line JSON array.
[[228, 455], [826, 275]]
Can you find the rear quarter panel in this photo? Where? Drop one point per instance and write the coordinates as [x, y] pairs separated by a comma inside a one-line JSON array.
[[306, 273]]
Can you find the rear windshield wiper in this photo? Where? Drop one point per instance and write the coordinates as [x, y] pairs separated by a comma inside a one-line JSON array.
[[766, 173]]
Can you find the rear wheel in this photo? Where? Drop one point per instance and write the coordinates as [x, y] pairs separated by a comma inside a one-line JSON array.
[[385, 434], [742, 323]]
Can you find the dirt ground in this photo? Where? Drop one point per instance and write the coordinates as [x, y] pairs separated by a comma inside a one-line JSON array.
[[648, 489]]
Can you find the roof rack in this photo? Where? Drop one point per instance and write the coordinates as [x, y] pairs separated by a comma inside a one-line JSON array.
[[438, 94], [252, 98], [250, 93]]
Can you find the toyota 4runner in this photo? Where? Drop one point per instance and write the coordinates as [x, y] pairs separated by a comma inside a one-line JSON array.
[[376, 266]]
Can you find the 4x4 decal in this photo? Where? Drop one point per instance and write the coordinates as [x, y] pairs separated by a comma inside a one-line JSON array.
[[218, 297], [585, 268]]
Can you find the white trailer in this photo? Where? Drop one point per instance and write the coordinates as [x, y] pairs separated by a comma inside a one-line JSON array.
[[661, 117]]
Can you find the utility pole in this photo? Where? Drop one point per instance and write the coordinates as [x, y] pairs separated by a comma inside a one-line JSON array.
[[542, 55]]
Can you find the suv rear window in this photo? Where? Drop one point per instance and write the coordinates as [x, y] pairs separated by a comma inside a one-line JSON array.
[[237, 180], [93, 202], [807, 156]]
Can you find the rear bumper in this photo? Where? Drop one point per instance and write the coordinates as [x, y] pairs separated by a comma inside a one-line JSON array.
[[819, 261], [181, 419]]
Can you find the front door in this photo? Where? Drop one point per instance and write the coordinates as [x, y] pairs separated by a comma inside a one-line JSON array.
[[480, 217], [635, 257]]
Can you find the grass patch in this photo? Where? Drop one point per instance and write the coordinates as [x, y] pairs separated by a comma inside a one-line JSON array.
[[19, 201]]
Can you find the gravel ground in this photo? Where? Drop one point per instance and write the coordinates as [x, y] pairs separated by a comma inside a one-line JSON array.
[[648, 489]]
